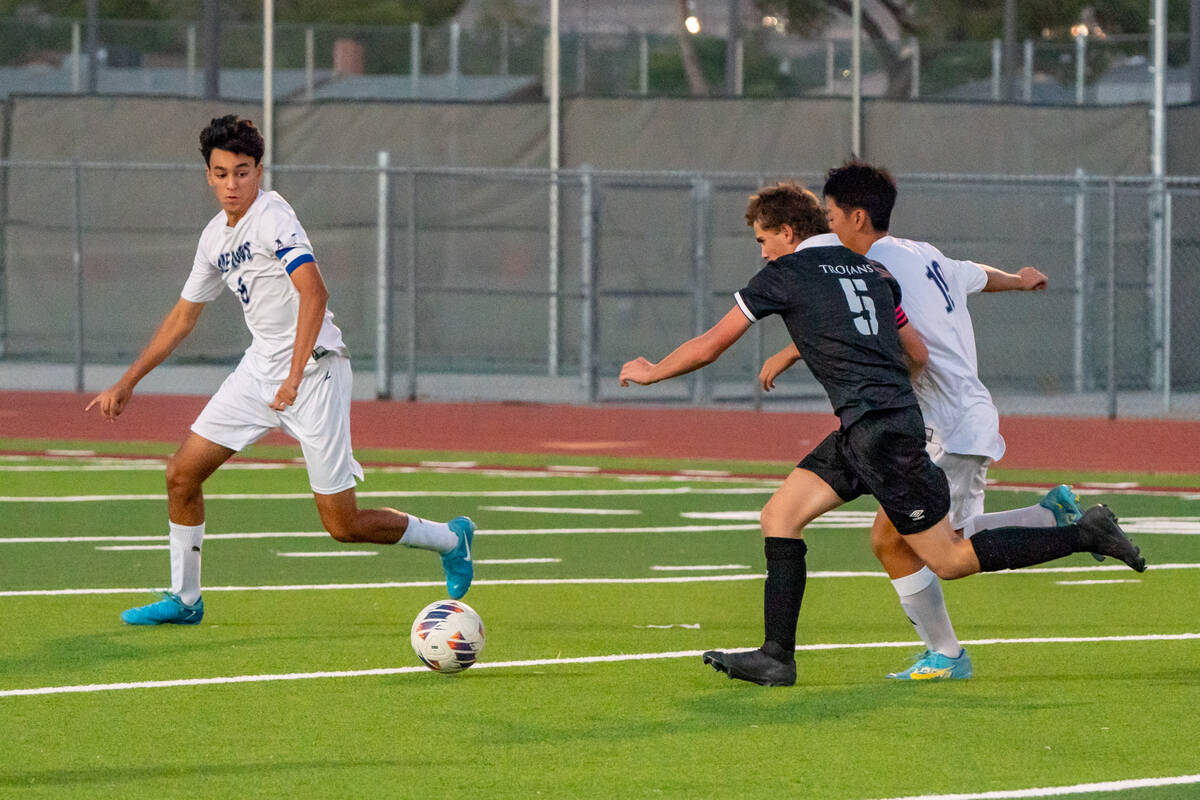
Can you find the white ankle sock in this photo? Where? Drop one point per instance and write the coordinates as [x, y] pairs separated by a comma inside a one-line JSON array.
[[921, 598], [426, 535], [1034, 516], [185, 561]]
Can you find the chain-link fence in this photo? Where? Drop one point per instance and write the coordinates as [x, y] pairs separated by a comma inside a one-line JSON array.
[[445, 282], [42, 54]]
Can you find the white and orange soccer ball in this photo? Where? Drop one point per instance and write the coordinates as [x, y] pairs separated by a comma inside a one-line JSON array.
[[447, 636]]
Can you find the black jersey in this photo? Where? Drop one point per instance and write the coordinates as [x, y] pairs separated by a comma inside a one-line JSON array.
[[843, 312]]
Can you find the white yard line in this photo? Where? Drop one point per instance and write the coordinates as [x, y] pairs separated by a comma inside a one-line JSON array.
[[616, 512], [120, 547], [673, 490], [487, 561], [1097, 583], [130, 466], [1059, 791], [696, 567], [546, 662], [332, 554], [752, 576]]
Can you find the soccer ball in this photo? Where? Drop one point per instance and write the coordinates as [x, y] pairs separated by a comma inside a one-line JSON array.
[[447, 636]]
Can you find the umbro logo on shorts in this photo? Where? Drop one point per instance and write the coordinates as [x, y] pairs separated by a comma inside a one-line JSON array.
[[917, 515]]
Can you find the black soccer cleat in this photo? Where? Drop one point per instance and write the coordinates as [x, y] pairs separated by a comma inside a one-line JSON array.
[[1102, 535], [754, 666]]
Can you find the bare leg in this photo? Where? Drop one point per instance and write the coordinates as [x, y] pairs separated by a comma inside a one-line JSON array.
[[346, 522], [949, 555], [193, 462]]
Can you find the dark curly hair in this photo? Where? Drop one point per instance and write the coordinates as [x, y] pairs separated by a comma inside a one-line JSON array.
[[857, 184], [787, 203], [233, 134]]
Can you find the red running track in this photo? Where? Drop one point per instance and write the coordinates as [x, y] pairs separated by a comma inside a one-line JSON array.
[[1057, 443]]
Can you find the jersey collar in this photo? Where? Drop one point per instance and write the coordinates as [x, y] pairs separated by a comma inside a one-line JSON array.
[[820, 240]]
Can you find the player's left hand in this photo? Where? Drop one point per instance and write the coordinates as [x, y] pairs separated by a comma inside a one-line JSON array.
[[285, 397], [640, 370], [1032, 279]]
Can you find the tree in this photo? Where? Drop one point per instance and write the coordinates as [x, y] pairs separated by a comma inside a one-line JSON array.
[[938, 21], [697, 85]]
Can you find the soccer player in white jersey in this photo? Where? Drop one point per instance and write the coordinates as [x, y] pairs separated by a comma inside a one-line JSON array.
[[295, 375], [962, 421]]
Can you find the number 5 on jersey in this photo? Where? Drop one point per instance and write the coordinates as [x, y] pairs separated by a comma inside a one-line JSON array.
[[243, 291], [862, 307]]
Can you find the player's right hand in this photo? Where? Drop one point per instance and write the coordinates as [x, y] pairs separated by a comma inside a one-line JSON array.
[[111, 401], [1032, 279], [640, 370]]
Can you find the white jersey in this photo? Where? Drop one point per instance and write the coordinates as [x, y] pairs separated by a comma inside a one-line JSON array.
[[934, 289], [255, 259]]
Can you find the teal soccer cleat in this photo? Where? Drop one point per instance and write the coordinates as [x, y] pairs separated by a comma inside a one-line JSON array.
[[168, 611], [457, 563], [931, 666], [1064, 505]]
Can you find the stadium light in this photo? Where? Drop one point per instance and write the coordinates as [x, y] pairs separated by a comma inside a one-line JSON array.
[[692, 24]]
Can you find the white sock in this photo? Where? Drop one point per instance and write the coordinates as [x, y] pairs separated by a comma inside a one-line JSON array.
[[1034, 516], [426, 535], [185, 561], [921, 598]]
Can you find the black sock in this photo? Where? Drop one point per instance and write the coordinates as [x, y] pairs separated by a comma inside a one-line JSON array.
[[1012, 548], [782, 594]]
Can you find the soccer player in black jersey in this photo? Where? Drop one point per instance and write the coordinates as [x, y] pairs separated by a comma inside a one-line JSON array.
[[843, 312]]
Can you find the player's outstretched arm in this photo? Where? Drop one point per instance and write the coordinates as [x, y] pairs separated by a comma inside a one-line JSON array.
[[313, 298], [1026, 279], [691, 355], [174, 329], [774, 366]]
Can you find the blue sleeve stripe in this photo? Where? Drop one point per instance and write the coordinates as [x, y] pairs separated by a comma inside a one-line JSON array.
[[304, 259]]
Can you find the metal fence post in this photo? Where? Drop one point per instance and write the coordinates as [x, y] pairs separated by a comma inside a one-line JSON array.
[[455, 37], [587, 284], [1027, 75], [1080, 67], [1166, 302], [77, 262], [914, 89], [76, 58], [310, 63], [1111, 308], [504, 47], [1080, 275], [191, 59], [643, 65], [410, 312], [829, 65], [997, 69], [701, 231], [383, 279], [414, 59]]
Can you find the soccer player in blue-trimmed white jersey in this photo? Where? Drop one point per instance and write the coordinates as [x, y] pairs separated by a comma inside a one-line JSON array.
[[295, 375]]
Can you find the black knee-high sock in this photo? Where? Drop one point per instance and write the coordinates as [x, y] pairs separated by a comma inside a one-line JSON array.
[[783, 592], [1012, 548]]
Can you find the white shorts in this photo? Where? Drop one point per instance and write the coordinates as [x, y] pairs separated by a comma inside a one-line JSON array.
[[239, 414], [967, 476]]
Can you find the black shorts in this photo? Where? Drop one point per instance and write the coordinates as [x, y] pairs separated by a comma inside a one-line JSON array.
[[883, 455]]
